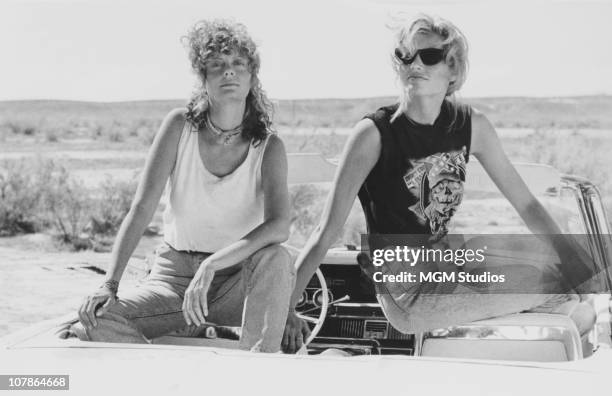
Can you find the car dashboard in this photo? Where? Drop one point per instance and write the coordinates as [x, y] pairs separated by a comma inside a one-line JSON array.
[[355, 322]]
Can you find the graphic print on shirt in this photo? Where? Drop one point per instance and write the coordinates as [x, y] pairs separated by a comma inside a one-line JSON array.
[[437, 181]]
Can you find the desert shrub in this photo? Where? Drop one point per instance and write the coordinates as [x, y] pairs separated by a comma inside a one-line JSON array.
[[23, 128], [111, 206], [18, 127], [116, 131], [51, 135], [20, 196], [116, 136], [96, 131], [66, 205], [41, 195]]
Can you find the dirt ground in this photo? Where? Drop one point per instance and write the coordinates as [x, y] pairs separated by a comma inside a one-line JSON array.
[[40, 281]]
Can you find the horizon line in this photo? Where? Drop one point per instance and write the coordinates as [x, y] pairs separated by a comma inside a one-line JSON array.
[[599, 95]]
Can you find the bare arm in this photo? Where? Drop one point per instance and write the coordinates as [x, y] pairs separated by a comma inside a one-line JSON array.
[[158, 166], [360, 154], [487, 148], [576, 266]]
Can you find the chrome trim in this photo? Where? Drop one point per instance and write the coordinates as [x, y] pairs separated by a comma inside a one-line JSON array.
[[587, 196], [351, 327], [367, 350], [359, 343], [376, 327], [358, 305], [357, 317]]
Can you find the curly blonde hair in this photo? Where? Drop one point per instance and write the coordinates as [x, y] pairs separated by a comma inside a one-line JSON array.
[[221, 36]]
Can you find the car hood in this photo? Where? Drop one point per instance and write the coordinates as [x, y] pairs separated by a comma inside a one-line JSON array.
[[103, 368]]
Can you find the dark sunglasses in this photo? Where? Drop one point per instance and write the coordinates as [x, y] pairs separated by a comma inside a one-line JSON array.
[[429, 56]]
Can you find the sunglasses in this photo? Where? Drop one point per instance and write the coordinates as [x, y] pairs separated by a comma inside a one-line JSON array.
[[429, 56]]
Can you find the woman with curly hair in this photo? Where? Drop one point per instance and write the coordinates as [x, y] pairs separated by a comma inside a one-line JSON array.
[[227, 213], [407, 164]]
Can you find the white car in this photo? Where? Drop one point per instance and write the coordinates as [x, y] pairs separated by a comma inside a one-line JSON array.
[[354, 350]]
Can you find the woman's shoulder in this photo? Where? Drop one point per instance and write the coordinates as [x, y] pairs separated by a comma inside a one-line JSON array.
[[456, 117], [273, 143], [176, 116], [365, 136], [480, 123], [383, 113], [272, 148], [170, 131], [458, 108], [174, 122]]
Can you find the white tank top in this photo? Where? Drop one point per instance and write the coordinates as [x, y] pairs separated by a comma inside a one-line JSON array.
[[206, 213]]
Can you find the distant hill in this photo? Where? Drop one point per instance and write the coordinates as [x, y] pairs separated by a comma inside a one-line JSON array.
[[566, 112]]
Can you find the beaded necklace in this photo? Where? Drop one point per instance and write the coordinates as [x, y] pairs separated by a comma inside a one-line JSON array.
[[227, 134]]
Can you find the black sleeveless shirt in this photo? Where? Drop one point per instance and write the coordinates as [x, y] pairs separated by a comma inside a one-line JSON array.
[[417, 184]]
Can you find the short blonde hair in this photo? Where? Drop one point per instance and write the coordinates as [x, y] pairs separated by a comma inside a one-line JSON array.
[[454, 44]]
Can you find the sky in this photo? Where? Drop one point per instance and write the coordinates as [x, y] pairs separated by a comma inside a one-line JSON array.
[[116, 50]]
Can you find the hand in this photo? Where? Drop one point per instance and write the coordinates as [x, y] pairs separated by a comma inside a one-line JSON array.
[[296, 331], [195, 304], [96, 304]]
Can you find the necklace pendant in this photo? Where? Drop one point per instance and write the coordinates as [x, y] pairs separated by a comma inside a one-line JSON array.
[[226, 135]]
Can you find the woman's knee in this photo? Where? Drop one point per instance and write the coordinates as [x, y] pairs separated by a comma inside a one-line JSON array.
[[400, 318], [274, 259], [110, 327], [274, 255]]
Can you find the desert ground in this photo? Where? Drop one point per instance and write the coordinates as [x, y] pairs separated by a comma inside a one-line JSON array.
[[51, 256]]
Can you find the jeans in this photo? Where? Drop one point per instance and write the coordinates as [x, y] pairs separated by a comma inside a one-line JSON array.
[[410, 310], [253, 294]]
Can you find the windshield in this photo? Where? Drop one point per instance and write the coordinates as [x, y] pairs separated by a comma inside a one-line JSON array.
[[479, 213]]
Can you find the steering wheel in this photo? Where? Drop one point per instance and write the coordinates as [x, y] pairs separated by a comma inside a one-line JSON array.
[[317, 320]]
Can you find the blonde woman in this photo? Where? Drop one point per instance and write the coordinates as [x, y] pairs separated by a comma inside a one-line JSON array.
[[407, 164]]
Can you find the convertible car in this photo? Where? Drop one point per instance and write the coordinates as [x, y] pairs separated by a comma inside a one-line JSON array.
[[353, 348]]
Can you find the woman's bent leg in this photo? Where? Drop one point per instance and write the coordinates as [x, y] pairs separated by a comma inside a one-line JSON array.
[[430, 312], [269, 278], [148, 310], [141, 313], [418, 306]]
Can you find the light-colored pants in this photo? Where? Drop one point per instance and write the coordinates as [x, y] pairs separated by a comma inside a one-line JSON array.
[[253, 294], [533, 284]]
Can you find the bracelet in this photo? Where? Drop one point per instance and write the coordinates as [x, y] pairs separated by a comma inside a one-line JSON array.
[[111, 285]]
